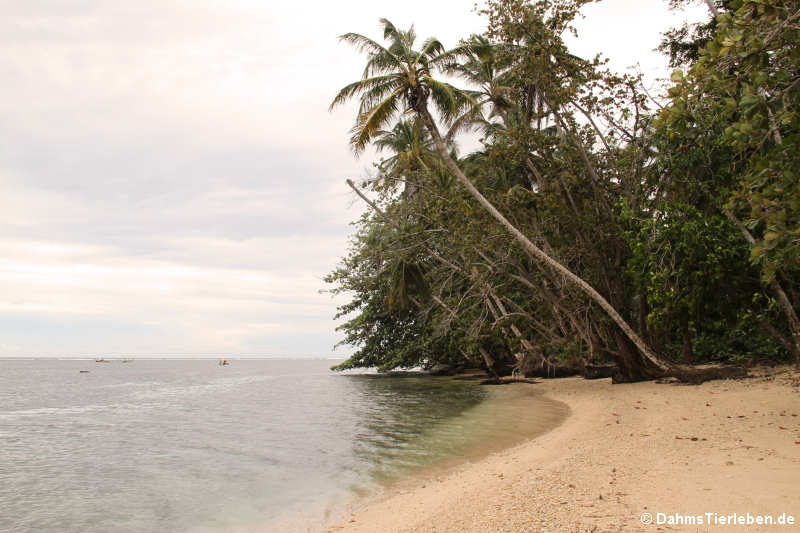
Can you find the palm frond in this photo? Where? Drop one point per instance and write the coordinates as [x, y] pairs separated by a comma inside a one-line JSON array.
[[369, 123], [390, 31], [382, 63], [357, 87], [467, 121], [365, 44], [431, 49], [372, 97], [449, 101]]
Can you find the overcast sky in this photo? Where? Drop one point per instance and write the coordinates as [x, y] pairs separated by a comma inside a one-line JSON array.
[[171, 182]]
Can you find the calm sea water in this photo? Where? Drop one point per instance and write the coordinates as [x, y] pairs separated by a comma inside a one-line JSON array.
[[189, 446]]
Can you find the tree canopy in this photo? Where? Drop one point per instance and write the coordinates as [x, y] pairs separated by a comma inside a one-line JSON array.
[[596, 223]]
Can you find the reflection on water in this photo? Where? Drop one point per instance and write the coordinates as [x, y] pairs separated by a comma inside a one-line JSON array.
[[415, 422], [397, 411], [187, 446]]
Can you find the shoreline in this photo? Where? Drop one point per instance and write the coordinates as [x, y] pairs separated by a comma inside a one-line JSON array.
[[722, 447], [502, 420]]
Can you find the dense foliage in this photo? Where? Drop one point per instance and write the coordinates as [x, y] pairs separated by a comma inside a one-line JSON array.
[[595, 223]]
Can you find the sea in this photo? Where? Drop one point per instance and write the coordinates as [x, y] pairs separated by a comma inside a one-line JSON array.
[[187, 445]]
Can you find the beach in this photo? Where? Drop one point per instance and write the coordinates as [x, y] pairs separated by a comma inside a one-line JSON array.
[[686, 458]]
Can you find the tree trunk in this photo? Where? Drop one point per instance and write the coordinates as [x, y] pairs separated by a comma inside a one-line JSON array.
[[777, 290], [643, 365], [489, 361], [712, 8], [778, 336], [631, 366], [644, 312]]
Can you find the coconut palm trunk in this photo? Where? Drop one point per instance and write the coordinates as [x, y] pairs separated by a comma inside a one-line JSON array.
[[633, 366]]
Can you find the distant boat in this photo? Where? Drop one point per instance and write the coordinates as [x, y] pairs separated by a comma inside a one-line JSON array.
[[102, 361], [223, 362], [83, 371]]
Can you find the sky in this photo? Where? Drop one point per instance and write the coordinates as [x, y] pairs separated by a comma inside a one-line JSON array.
[[171, 180]]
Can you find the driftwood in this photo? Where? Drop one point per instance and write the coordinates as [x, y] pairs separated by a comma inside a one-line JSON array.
[[599, 371], [683, 374], [697, 375]]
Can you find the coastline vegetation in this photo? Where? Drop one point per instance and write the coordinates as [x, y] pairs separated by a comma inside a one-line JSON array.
[[599, 228]]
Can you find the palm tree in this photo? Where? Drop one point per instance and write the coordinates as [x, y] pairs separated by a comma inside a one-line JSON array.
[[412, 151], [399, 79], [482, 66]]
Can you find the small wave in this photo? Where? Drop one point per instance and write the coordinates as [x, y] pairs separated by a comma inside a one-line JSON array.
[[218, 385], [131, 384], [76, 410]]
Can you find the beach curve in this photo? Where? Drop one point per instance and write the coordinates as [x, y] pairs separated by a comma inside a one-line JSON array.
[[626, 453]]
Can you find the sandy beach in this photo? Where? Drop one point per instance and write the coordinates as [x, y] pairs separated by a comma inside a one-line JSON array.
[[626, 454]]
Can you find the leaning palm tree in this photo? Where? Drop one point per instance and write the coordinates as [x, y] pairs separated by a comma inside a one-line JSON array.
[[399, 79]]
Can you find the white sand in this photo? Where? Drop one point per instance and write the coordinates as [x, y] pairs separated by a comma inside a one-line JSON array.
[[624, 450]]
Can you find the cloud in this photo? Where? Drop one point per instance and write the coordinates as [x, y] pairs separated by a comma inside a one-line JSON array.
[[99, 294], [171, 181]]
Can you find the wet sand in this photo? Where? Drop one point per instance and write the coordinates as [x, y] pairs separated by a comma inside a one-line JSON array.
[[673, 451]]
